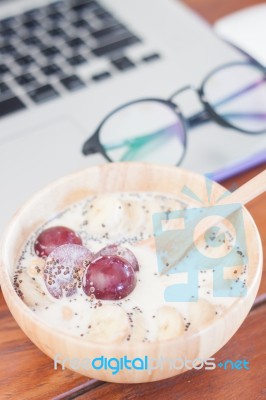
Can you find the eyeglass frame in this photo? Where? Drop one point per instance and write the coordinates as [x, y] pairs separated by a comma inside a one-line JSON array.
[[93, 144]]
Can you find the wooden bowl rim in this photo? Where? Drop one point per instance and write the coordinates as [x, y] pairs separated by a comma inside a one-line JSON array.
[[11, 296]]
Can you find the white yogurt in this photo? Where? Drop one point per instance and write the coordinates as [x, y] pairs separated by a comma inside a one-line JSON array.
[[144, 315]]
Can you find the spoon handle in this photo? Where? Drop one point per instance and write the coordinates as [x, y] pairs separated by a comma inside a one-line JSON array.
[[249, 191]]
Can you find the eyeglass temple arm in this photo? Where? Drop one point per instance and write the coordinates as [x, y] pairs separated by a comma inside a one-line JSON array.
[[133, 149], [90, 147], [203, 116], [135, 144], [135, 141]]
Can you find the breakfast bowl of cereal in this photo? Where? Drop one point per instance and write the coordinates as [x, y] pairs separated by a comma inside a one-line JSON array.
[[99, 288]]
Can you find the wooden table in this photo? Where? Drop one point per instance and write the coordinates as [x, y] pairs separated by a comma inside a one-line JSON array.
[[26, 373]]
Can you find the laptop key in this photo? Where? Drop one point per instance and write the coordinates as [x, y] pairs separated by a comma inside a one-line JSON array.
[[76, 60], [4, 89], [118, 45], [56, 16], [31, 24], [102, 76], [151, 57], [24, 61], [104, 15], [50, 51], [57, 32], [84, 5], [80, 23], [33, 41], [7, 49], [25, 79], [7, 22], [43, 94], [75, 42], [72, 82], [56, 5], [109, 31], [10, 105], [3, 69], [123, 63], [51, 69], [7, 33], [35, 12]]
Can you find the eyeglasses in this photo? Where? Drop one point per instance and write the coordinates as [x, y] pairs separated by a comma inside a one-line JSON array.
[[152, 129]]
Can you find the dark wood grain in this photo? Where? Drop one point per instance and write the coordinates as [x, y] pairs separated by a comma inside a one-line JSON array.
[[25, 372], [219, 384], [257, 209], [212, 10], [31, 375]]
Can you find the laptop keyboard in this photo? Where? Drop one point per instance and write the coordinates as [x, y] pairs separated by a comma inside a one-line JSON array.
[[43, 50]]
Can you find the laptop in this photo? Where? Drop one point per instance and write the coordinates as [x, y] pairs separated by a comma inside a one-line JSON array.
[[65, 64]]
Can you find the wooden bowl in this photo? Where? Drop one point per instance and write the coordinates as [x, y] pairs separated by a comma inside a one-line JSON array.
[[110, 178]]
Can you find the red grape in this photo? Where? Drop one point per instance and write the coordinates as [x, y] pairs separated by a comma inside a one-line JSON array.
[[64, 269], [116, 250], [109, 278], [54, 237]]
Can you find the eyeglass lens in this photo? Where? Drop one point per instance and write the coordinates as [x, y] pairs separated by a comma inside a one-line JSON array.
[[237, 93], [147, 130], [152, 131]]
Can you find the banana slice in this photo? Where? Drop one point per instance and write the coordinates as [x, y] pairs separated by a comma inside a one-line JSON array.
[[149, 244], [170, 323], [105, 213], [114, 215], [67, 313], [135, 216], [108, 324], [35, 267], [30, 290], [138, 327], [233, 272], [201, 313], [160, 206]]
